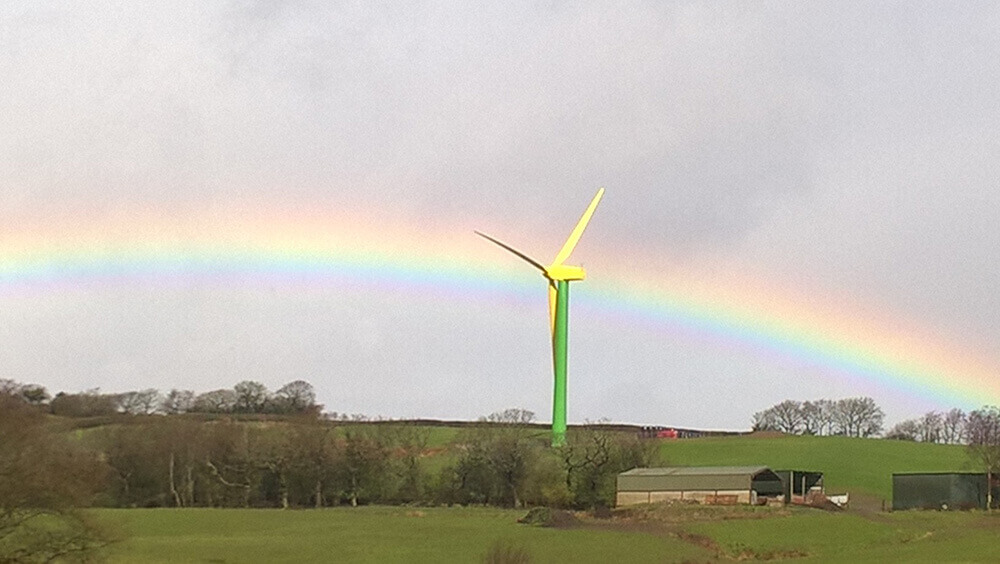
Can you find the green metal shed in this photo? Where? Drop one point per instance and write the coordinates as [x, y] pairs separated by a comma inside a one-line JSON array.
[[941, 490], [702, 484]]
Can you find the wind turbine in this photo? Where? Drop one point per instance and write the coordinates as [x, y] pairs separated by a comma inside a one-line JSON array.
[[559, 276]]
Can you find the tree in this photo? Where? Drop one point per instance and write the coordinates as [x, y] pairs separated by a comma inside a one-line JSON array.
[[511, 416], [858, 417], [593, 458], [409, 443], [85, 404], [216, 401], [953, 427], [251, 397], [132, 453], [907, 430], [315, 457], [10, 387], [297, 396], [363, 467], [274, 453], [495, 460], [178, 401], [826, 416], [765, 420], [143, 402], [35, 394], [983, 433], [43, 479], [181, 451], [30, 393], [930, 427], [788, 416], [230, 463], [510, 452], [812, 418]]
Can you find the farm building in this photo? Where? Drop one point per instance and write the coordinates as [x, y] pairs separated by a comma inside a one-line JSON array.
[[800, 486], [941, 490], [728, 485]]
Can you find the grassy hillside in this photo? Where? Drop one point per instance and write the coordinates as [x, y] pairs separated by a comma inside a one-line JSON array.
[[858, 466]]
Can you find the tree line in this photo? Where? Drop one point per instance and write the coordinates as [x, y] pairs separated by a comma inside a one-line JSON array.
[[312, 462], [246, 397], [950, 427], [851, 417]]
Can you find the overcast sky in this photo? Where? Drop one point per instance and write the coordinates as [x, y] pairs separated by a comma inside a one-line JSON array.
[[845, 151]]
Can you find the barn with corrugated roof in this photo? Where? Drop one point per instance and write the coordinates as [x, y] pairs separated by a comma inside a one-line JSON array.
[[723, 485]]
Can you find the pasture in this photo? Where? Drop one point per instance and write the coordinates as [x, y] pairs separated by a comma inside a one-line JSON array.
[[653, 534], [368, 534]]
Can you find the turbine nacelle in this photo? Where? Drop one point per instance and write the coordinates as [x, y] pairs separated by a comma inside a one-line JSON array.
[[568, 273]]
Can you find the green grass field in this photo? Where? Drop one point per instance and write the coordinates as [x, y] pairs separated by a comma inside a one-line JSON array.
[[368, 534], [858, 466], [391, 534]]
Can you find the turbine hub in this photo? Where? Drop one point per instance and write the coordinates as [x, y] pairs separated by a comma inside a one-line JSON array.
[[565, 272]]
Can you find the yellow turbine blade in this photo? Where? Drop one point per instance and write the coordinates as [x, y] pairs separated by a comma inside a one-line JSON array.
[[578, 230], [553, 296]]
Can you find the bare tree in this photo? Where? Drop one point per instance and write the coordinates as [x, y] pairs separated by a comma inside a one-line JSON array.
[[363, 464], [297, 396], [930, 427], [143, 402], [826, 416], [410, 442], [10, 387], [858, 417], [495, 459], [43, 479], [316, 457], [983, 433], [229, 460], [788, 416], [178, 401], [765, 421], [953, 427], [785, 417], [84, 404], [907, 430], [512, 416], [593, 457], [274, 452], [251, 397], [812, 418], [30, 393], [216, 401], [35, 394]]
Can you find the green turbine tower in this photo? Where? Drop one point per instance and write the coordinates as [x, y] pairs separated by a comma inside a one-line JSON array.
[[559, 276]]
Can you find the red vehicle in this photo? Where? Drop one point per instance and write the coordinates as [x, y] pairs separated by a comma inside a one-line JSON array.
[[667, 434]]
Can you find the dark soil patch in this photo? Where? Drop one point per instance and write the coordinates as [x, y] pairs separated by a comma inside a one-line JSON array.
[[547, 517]]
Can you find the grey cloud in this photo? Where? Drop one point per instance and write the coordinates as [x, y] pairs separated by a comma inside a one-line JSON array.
[[845, 147]]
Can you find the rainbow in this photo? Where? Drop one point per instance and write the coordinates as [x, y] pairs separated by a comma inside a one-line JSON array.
[[329, 247]]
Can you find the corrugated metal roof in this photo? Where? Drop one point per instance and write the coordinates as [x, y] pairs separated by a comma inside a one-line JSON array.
[[696, 471]]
